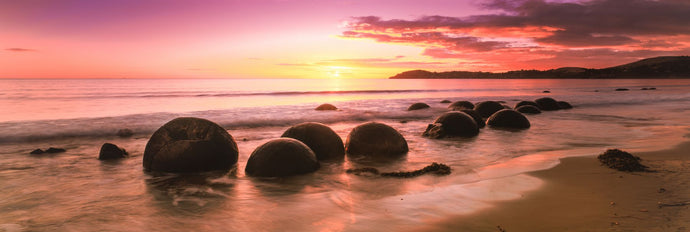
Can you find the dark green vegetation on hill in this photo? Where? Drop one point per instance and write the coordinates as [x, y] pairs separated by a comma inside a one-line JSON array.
[[658, 67]]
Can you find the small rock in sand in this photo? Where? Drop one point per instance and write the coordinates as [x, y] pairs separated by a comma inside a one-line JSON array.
[[621, 161]]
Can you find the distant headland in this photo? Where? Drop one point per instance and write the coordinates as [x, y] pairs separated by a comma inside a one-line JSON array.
[[657, 67]]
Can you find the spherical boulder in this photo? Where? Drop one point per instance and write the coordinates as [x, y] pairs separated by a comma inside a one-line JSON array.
[[190, 145], [445, 101], [321, 139], [477, 118], [418, 106], [112, 151], [459, 105], [375, 140], [326, 106], [508, 119], [487, 108], [564, 105], [281, 157], [523, 103], [452, 124], [528, 109], [547, 103]]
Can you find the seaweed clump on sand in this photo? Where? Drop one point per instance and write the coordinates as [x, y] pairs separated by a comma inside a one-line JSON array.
[[622, 161], [434, 168]]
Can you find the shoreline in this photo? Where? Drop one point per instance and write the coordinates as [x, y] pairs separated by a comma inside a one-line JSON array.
[[580, 194]]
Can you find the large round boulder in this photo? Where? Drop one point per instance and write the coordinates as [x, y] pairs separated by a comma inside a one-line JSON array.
[[111, 151], [326, 106], [418, 106], [190, 145], [477, 118], [487, 108], [375, 140], [523, 103], [459, 105], [508, 119], [528, 109], [445, 101], [281, 157], [547, 103], [452, 124], [326, 144]]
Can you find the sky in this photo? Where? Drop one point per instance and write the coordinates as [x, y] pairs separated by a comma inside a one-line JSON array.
[[329, 38]]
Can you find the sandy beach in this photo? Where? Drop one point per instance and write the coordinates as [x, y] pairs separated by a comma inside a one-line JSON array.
[[582, 195]]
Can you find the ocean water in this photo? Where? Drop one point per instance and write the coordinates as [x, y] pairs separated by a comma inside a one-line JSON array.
[[73, 191]]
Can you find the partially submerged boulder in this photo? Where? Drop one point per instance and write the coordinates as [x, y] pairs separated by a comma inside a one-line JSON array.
[[460, 105], [190, 145], [547, 103], [487, 108], [418, 106], [528, 109], [524, 103], [111, 151], [321, 139], [445, 101], [326, 106], [281, 157], [622, 89], [477, 118], [564, 105], [621, 161], [50, 150], [375, 140], [508, 119], [452, 124], [53, 150], [124, 133]]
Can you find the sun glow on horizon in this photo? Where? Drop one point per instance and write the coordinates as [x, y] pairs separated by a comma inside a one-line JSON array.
[[339, 72]]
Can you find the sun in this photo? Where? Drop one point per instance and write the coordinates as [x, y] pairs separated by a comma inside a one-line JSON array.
[[337, 71]]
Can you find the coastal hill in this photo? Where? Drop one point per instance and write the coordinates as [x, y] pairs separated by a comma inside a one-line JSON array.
[[657, 67]]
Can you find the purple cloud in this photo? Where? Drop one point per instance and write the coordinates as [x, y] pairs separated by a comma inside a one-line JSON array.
[[601, 22], [541, 30]]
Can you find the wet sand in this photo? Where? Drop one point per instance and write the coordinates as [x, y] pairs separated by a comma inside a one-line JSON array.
[[582, 195]]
